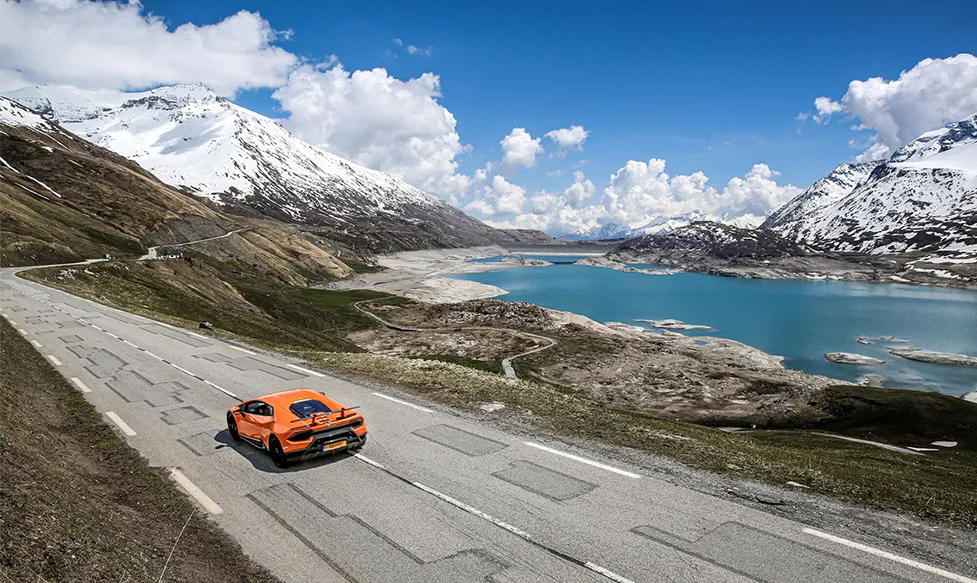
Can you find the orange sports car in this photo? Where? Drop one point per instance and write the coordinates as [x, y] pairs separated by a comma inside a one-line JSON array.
[[297, 423]]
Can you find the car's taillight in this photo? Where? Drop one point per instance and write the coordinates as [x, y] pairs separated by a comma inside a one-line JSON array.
[[300, 436]]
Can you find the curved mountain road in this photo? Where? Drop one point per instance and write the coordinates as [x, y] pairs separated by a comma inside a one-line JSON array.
[[435, 496], [506, 362], [151, 252]]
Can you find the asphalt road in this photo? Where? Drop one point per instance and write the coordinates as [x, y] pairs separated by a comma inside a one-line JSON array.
[[433, 496]]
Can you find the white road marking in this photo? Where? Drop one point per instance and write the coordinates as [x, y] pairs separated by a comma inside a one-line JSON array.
[[305, 370], [472, 510], [80, 385], [195, 335], [183, 370], [607, 573], [411, 405], [368, 460], [225, 391], [157, 357], [122, 424], [12, 323], [198, 494], [129, 343], [97, 328], [238, 348], [583, 460], [890, 556], [36, 343], [112, 335], [22, 331], [54, 359]]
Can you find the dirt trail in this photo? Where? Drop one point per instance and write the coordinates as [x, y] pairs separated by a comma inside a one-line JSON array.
[[506, 362]]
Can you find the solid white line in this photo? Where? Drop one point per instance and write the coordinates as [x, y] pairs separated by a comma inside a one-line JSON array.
[[411, 405], [192, 489], [22, 331], [183, 370], [472, 510], [80, 385], [225, 391], [305, 370], [54, 359], [195, 335], [368, 460], [890, 556], [583, 460], [607, 573], [36, 343], [238, 348], [122, 424]]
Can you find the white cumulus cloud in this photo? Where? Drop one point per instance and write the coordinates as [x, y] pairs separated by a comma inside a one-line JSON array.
[[932, 93], [569, 138], [499, 197], [520, 149], [114, 45], [379, 121], [642, 192], [580, 192]]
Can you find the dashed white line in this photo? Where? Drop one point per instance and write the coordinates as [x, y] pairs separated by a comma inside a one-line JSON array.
[[156, 356], [183, 370], [122, 424], [12, 323], [369, 461], [402, 402], [223, 390], [195, 335], [607, 573], [22, 331], [36, 344], [80, 385], [239, 349], [472, 510], [198, 494], [305, 370], [583, 460], [890, 556], [54, 360], [112, 335]]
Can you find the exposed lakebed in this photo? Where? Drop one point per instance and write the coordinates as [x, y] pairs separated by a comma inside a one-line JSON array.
[[800, 320]]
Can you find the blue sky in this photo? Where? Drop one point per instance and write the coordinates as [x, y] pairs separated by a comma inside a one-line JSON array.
[[712, 87], [648, 80]]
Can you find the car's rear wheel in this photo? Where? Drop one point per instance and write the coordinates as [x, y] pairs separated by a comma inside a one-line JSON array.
[[277, 453], [232, 427]]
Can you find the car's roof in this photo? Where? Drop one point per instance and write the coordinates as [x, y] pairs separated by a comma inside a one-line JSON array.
[[286, 398]]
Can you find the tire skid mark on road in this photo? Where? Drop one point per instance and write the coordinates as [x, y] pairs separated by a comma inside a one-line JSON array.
[[588, 565]]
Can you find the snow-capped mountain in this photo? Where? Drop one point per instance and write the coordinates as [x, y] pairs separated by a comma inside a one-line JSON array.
[[717, 240], [923, 198], [660, 226], [191, 138]]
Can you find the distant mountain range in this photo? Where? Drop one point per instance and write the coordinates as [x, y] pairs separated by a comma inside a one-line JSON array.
[[659, 226], [922, 199], [195, 140]]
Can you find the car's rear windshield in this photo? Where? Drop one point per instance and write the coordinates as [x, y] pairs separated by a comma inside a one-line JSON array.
[[308, 407]]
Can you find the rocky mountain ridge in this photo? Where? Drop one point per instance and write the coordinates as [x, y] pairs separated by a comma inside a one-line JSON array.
[[200, 142]]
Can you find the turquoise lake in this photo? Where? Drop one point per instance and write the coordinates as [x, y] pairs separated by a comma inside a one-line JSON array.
[[800, 320]]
